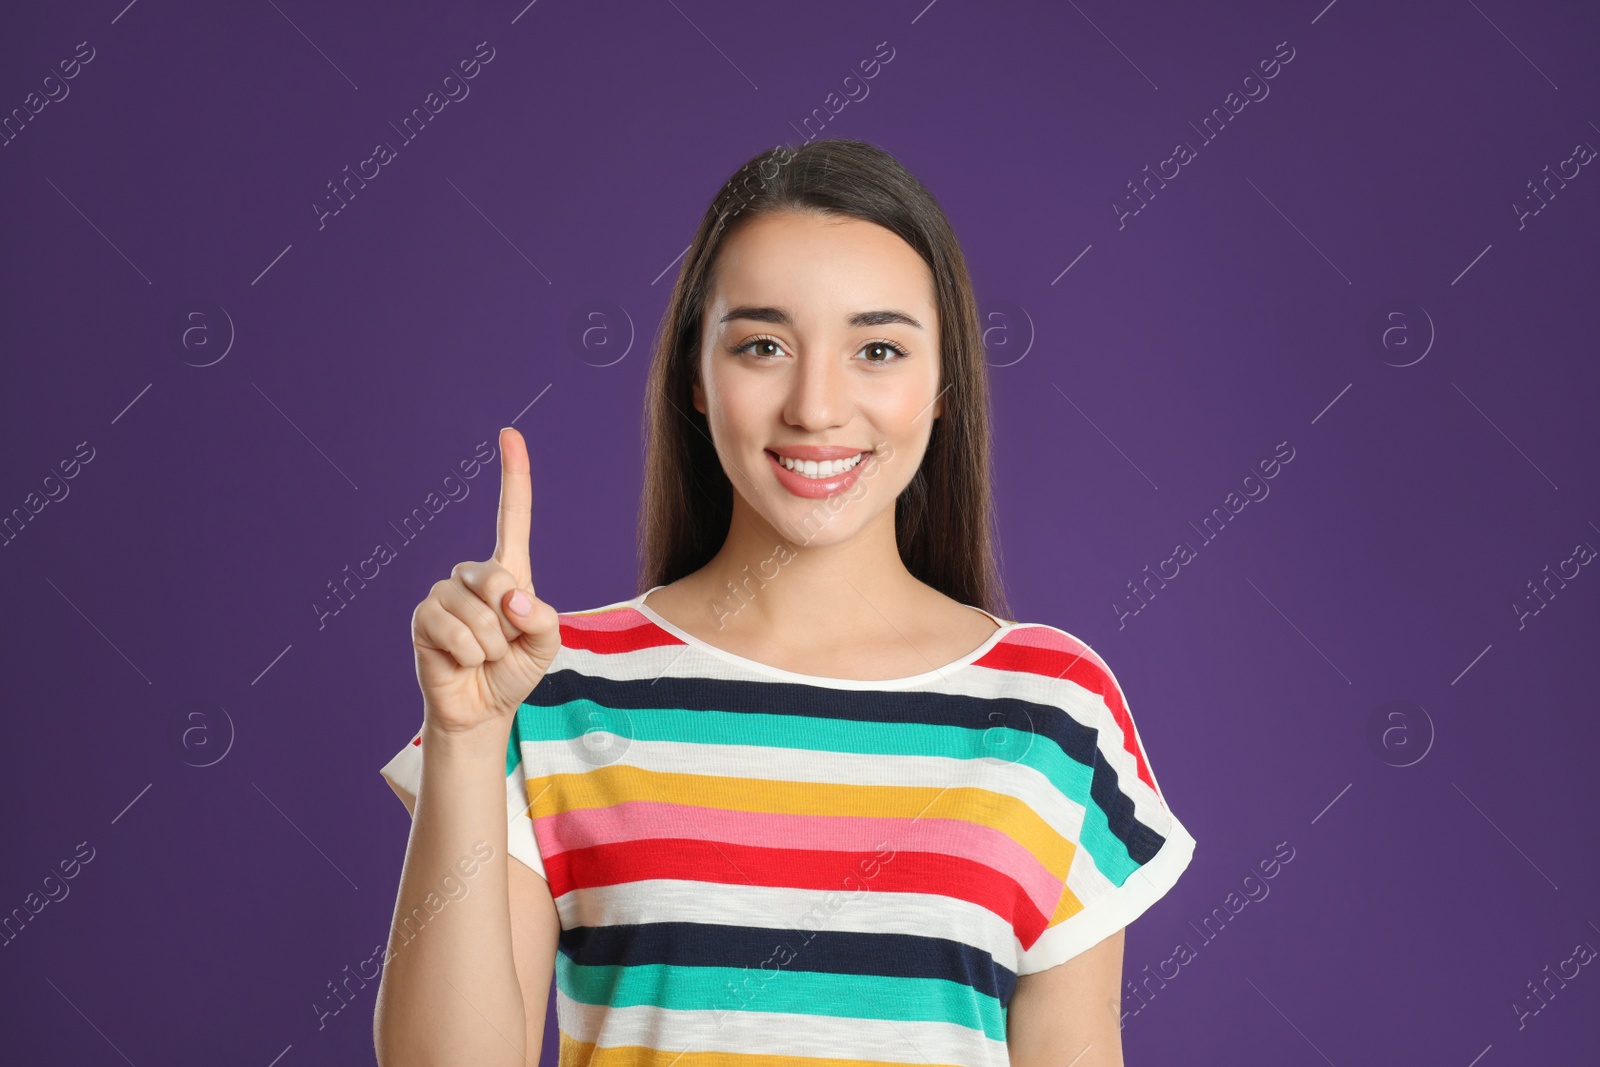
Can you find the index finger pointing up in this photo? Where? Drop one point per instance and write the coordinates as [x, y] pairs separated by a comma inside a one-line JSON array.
[[516, 505]]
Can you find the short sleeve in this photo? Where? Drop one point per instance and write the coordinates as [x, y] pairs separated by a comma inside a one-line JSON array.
[[1130, 847], [404, 775]]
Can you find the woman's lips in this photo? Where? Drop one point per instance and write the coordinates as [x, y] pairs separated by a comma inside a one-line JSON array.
[[813, 488]]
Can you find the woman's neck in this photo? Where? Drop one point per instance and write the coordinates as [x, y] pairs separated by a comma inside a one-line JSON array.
[[764, 581]]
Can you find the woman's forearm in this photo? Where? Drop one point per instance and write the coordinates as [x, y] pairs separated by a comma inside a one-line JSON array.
[[449, 993]]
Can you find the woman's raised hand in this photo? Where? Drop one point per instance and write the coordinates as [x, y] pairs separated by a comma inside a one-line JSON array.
[[483, 639]]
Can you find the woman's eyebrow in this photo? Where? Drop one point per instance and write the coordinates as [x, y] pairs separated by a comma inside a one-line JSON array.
[[781, 317]]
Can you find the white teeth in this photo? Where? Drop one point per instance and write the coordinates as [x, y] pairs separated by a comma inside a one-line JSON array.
[[810, 468]]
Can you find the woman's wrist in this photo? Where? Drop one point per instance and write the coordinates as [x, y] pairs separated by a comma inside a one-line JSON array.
[[489, 738]]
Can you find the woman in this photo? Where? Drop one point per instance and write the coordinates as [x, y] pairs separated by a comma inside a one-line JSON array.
[[808, 794]]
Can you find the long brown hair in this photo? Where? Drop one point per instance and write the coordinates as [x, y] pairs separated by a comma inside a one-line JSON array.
[[944, 519]]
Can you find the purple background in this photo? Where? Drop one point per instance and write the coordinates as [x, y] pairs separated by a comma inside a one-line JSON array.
[[160, 616]]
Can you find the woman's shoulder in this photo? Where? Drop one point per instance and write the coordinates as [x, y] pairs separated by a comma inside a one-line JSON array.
[[611, 626], [1050, 660], [1047, 643], [613, 609]]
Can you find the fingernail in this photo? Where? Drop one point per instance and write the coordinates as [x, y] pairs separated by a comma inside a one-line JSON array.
[[521, 603]]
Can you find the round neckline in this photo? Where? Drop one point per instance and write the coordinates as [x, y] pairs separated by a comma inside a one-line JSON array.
[[938, 674]]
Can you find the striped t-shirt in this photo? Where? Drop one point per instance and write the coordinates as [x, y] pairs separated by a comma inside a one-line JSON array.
[[751, 863]]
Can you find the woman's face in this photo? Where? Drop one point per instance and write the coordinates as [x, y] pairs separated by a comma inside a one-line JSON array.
[[820, 343]]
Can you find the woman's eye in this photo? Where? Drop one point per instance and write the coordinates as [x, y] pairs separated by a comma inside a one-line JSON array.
[[760, 346], [883, 352]]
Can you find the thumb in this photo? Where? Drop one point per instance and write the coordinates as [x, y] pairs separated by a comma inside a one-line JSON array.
[[538, 622]]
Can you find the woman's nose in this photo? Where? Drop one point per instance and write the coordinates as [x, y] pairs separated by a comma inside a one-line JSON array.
[[818, 393]]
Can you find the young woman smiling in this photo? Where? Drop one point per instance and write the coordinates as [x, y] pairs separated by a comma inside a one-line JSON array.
[[808, 794]]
